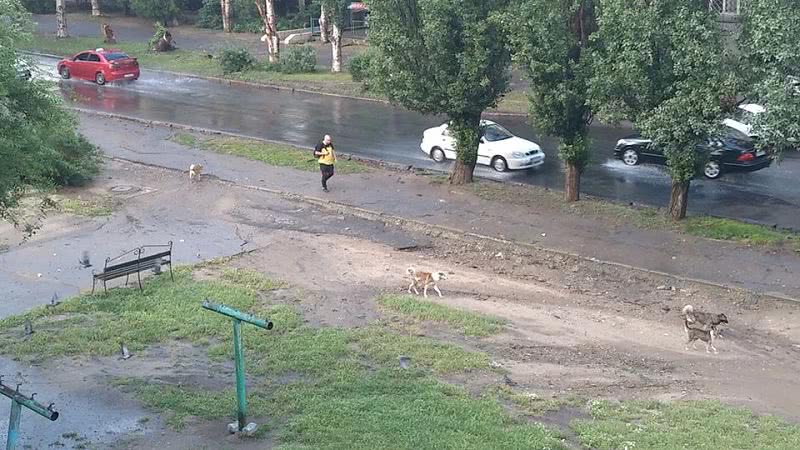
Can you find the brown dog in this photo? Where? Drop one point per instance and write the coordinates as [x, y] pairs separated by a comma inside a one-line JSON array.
[[194, 172], [424, 279]]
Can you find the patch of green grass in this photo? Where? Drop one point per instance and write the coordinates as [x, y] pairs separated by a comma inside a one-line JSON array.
[[95, 325], [642, 217], [268, 153], [94, 207], [469, 323], [691, 424], [251, 279], [532, 404], [732, 230], [513, 102]]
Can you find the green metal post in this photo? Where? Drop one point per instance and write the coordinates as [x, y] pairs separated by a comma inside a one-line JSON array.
[[238, 351], [13, 425], [238, 354]]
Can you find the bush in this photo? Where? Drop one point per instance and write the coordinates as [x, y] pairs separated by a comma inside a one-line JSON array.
[[359, 66], [163, 10], [236, 60], [209, 15], [78, 160], [245, 16], [298, 60], [40, 6]]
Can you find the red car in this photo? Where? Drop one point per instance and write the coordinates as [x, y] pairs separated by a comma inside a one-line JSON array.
[[100, 66]]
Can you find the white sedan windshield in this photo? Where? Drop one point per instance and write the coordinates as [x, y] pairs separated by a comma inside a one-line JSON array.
[[495, 132]]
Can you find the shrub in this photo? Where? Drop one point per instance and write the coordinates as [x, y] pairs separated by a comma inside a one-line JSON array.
[[359, 66], [155, 9], [77, 161], [298, 60], [236, 60], [40, 6]]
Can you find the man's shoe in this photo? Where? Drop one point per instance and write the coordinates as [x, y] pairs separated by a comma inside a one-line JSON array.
[[325, 189]]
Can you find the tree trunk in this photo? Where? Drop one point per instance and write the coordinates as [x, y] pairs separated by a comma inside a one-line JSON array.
[[266, 9], [61, 19], [225, 6], [461, 172], [323, 26], [96, 8], [336, 48], [572, 183], [679, 199]]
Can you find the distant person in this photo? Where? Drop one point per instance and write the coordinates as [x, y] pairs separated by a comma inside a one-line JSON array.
[[327, 158]]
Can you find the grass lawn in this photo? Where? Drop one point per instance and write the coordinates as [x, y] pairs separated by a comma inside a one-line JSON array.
[[332, 388], [268, 153], [197, 63]]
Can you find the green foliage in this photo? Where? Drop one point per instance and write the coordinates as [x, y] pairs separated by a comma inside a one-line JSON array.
[[552, 46], [469, 323], [769, 45], [358, 66], [40, 6], [301, 59], [661, 65], [236, 60], [158, 32], [162, 10], [441, 57], [39, 148]]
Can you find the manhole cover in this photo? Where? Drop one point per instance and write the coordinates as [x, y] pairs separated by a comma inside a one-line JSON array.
[[124, 189]]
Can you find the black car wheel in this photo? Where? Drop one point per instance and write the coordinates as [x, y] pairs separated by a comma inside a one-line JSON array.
[[437, 155], [630, 157], [712, 170], [100, 78], [64, 72], [499, 164]]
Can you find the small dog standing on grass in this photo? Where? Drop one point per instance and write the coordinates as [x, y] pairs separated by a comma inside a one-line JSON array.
[[194, 172], [424, 279]]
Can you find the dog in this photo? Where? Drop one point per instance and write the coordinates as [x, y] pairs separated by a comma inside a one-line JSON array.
[[424, 279], [194, 172], [703, 320], [696, 334]]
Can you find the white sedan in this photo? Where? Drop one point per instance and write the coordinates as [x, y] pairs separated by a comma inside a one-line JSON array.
[[498, 147]]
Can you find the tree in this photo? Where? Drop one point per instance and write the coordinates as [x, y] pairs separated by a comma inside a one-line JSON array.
[[447, 57], [61, 19], [266, 9], [660, 64], [225, 6], [324, 29], [162, 10], [769, 65], [39, 148], [335, 13], [550, 40], [96, 8]]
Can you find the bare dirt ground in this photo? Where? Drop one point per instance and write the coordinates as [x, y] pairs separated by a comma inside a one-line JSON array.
[[574, 327]]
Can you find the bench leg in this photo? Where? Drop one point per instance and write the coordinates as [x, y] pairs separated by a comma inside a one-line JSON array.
[[170, 270], [139, 276], [105, 289], [94, 281], [126, 279]]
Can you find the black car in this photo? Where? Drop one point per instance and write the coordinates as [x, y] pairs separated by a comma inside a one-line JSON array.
[[733, 151]]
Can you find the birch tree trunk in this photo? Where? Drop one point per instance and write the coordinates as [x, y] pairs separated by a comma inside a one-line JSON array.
[[266, 8], [324, 36], [61, 19], [336, 48], [225, 6], [96, 8]]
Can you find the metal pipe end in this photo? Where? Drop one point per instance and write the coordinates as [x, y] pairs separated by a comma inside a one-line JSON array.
[[54, 416]]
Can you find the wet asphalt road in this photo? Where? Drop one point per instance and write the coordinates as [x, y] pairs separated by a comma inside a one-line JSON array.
[[391, 133]]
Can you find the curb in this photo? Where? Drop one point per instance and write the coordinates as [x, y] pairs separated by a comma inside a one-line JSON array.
[[276, 87]]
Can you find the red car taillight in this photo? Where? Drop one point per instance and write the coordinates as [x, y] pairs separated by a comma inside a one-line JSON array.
[[114, 66], [745, 157]]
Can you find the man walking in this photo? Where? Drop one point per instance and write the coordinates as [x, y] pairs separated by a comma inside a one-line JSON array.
[[327, 158]]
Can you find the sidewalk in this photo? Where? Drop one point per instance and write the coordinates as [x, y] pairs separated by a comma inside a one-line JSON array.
[[415, 197]]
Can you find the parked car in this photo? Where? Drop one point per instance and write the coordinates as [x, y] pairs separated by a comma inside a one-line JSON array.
[[731, 152], [498, 147], [100, 66]]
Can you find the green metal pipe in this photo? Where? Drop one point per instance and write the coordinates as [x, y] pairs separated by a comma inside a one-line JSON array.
[[13, 425], [238, 315], [29, 403], [238, 352]]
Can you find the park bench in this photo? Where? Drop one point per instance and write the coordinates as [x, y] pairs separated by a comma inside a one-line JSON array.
[[142, 261]]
